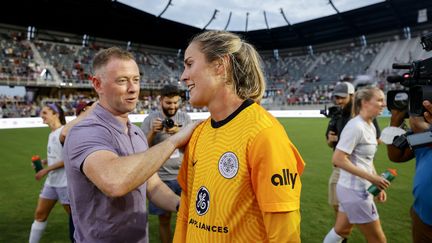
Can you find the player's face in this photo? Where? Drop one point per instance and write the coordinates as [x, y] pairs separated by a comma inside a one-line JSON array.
[[118, 85], [170, 105], [376, 104], [47, 115], [200, 77]]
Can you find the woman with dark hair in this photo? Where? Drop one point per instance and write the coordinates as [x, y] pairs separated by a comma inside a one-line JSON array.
[[55, 187]]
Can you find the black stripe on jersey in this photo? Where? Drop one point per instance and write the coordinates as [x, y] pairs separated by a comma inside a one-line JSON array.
[[243, 106]]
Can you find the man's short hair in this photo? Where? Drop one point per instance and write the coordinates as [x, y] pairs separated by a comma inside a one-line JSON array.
[[170, 90], [104, 55]]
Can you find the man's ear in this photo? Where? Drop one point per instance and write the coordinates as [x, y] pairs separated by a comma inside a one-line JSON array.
[[96, 83]]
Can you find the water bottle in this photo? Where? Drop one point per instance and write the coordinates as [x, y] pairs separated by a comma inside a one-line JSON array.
[[389, 175], [37, 163]]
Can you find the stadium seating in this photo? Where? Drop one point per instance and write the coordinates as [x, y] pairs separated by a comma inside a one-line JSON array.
[[292, 80]]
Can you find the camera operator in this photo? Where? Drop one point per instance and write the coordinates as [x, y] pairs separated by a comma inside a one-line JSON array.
[[343, 95], [421, 211], [157, 127]]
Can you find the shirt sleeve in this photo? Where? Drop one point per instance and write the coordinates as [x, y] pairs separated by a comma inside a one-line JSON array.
[[275, 167], [84, 140], [146, 125], [283, 227]]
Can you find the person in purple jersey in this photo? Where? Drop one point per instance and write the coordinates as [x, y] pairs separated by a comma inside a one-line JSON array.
[[108, 163]]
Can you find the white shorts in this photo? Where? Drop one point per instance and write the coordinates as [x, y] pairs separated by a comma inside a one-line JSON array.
[[55, 193], [358, 205]]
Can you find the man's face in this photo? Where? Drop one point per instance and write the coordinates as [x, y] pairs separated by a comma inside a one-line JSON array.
[[342, 101], [118, 86], [170, 105]]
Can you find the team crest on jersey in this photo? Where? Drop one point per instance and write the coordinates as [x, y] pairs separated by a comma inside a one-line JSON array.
[[228, 165], [202, 203]]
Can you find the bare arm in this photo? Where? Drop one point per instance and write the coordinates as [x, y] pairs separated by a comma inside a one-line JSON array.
[[161, 195], [398, 155], [340, 159], [40, 174], [116, 176]]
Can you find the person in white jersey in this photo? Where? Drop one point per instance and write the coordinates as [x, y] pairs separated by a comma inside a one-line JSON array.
[[55, 185], [354, 155]]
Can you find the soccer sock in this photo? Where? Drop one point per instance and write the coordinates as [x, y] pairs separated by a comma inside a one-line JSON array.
[[36, 231], [332, 237]]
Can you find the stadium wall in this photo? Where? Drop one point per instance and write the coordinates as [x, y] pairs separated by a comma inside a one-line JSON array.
[[29, 122]]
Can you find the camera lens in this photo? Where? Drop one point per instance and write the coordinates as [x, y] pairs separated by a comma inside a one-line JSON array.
[[168, 123], [401, 101]]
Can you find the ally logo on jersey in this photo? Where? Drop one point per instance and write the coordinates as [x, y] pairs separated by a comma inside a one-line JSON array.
[[285, 178]]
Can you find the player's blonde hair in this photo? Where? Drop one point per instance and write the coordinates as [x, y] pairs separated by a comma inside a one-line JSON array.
[[244, 67]]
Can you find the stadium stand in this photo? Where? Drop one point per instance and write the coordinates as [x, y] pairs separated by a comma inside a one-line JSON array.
[[55, 66]]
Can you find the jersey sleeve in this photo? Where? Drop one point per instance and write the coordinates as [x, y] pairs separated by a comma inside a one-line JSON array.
[[275, 168], [283, 227]]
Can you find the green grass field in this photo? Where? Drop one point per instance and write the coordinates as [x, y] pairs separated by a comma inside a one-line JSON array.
[[19, 190]]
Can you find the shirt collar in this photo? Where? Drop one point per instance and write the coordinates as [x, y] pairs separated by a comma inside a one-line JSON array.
[[110, 119]]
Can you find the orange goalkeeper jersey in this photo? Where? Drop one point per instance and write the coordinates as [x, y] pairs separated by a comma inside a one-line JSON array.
[[232, 172]]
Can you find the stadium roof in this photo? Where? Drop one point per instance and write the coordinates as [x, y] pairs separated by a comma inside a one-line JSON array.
[[114, 20], [245, 14]]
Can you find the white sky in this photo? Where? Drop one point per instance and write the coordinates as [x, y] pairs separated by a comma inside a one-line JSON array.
[[198, 12]]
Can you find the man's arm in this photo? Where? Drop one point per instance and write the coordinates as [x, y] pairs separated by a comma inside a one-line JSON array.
[[161, 195], [399, 155], [393, 153], [116, 176]]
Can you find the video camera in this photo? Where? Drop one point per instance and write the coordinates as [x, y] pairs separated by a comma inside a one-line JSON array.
[[418, 80], [333, 112]]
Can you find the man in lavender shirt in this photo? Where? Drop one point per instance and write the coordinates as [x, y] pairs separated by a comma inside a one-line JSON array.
[[109, 167]]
